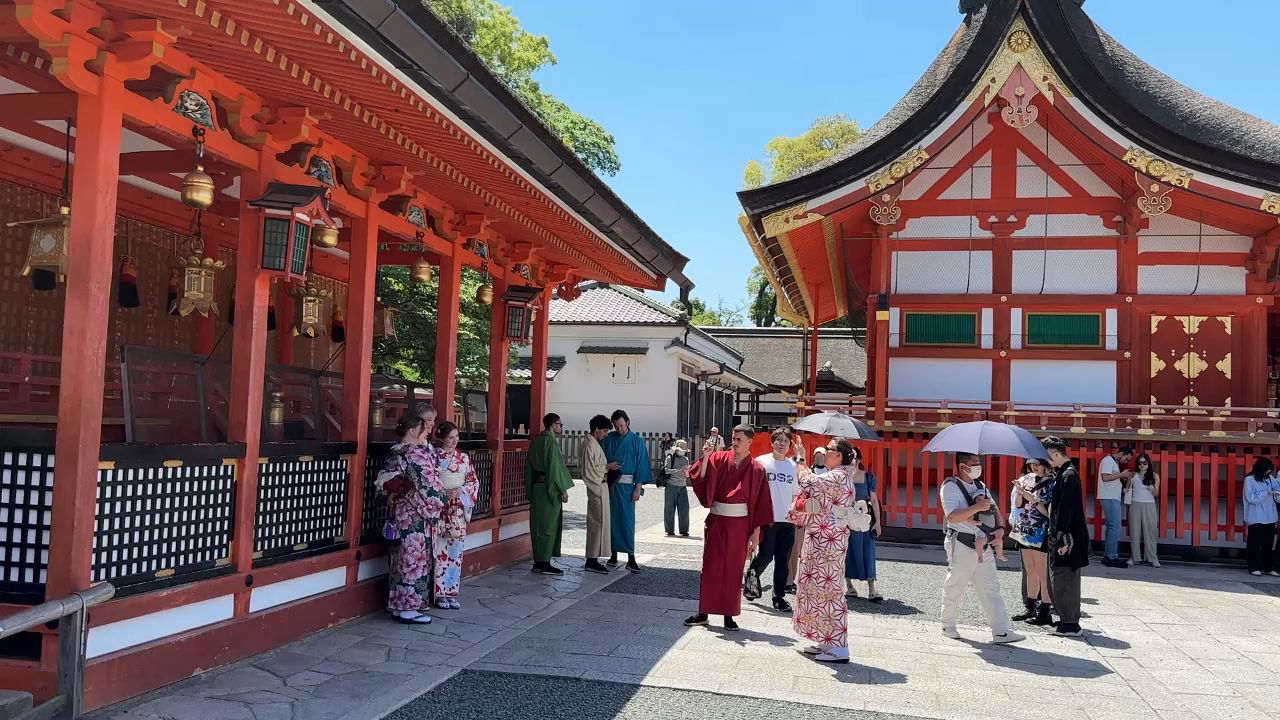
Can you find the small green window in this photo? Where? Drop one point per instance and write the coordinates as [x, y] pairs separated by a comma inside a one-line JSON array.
[[941, 328], [301, 236], [1064, 330]]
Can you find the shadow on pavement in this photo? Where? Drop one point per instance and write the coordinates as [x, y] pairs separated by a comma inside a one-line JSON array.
[[1039, 662]]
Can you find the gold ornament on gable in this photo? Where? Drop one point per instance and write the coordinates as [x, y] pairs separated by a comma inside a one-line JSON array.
[[788, 220], [885, 210], [1019, 50], [897, 170], [1270, 204], [1160, 169]]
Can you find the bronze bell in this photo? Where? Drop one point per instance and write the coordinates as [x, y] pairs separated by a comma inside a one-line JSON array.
[[197, 189], [484, 294], [420, 273], [324, 236]]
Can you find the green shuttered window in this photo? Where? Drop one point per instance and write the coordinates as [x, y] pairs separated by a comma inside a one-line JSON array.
[[941, 328], [1057, 330]]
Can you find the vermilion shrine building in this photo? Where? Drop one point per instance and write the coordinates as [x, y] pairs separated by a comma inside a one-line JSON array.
[[214, 462], [1073, 242]]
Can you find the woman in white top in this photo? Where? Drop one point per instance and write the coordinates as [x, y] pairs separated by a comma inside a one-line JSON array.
[[1144, 515], [1261, 492]]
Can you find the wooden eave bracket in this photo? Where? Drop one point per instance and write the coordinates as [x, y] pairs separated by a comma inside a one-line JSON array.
[[390, 181], [1263, 253]]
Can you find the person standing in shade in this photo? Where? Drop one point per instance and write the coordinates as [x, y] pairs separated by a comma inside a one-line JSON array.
[[776, 540], [1112, 480], [963, 498], [731, 484], [547, 482], [1068, 538], [1261, 492], [627, 454], [461, 489], [676, 467], [594, 468], [410, 481], [1144, 513]]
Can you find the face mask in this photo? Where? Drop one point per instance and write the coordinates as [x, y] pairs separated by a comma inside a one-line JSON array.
[[975, 472]]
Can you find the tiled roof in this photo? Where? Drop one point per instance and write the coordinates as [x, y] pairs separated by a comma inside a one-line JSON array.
[[613, 350], [774, 355], [602, 304], [522, 368]]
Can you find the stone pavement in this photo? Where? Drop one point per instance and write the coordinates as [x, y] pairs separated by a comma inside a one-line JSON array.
[[1193, 643]]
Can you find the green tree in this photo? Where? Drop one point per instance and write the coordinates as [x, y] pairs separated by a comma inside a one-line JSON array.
[[763, 307], [514, 54], [787, 156], [703, 315], [412, 353]]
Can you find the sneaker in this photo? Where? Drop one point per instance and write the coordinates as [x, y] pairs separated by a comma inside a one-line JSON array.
[[613, 562], [696, 620], [751, 586], [1068, 630], [549, 569], [594, 566], [730, 623], [781, 605], [1131, 563], [1044, 616], [684, 534], [633, 566], [1008, 637], [1256, 573], [1025, 615], [1273, 573], [1155, 563], [790, 589], [951, 632]]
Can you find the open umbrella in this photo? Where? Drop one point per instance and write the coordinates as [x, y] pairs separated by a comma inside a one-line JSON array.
[[834, 424], [984, 437]]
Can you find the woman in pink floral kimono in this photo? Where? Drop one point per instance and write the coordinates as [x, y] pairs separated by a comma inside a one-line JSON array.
[[821, 614], [461, 490], [410, 480]]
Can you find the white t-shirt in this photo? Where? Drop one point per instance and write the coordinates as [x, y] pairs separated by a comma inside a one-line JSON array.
[[1141, 491], [1108, 490], [953, 499], [781, 475]]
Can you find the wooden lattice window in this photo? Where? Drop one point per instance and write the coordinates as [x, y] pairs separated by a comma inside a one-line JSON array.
[[1063, 330], [302, 507], [926, 328]]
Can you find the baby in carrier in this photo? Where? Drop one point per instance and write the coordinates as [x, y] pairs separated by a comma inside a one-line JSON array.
[[991, 531]]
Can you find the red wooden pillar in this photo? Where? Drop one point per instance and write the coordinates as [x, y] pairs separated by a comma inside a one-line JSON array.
[[813, 362], [95, 179], [203, 339], [882, 359], [496, 412], [538, 370], [444, 389], [285, 312], [357, 363], [248, 365]]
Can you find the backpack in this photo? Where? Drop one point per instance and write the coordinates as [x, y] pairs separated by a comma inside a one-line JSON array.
[[984, 520]]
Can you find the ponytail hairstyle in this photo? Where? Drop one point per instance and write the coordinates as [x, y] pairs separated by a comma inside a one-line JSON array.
[[409, 422], [444, 428]]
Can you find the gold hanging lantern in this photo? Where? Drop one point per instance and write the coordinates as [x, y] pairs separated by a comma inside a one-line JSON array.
[[275, 408], [384, 321], [198, 283], [311, 298], [197, 187], [325, 236], [47, 249], [484, 294], [420, 273], [376, 413]]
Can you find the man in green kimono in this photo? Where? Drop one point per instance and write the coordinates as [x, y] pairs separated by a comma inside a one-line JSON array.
[[547, 481]]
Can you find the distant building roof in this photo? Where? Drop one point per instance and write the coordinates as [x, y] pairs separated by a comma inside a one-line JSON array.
[[521, 369], [604, 304], [775, 355]]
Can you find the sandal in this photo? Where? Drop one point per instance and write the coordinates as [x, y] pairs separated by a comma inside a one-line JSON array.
[[876, 598], [851, 592], [418, 619]]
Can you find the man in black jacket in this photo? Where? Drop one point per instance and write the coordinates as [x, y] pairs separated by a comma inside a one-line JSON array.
[[1068, 538]]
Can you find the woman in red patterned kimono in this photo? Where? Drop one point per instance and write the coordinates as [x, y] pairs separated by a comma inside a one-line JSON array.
[[461, 490], [821, 614], [410, 481]]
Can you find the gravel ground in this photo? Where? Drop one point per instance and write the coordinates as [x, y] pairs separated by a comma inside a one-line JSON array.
[[473, 695], [648, 514], [910, 589]]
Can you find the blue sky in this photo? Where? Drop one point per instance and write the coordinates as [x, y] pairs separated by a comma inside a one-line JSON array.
[[692, 89]]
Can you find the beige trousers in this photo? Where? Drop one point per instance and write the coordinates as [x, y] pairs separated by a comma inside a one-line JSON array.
[[963, 570], [1144, 528]]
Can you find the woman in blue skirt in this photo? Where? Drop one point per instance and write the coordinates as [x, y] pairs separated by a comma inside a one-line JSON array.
[[860, 563]]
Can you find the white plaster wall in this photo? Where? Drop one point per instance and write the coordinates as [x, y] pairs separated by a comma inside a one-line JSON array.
[[372, 568], [1184, 280], [1091, 382], [506, 532], [939, 379], [942, 272], [109, 638], [1070, 272], [286, 591]]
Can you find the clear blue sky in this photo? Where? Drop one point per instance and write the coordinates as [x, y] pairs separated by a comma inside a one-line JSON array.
[[692, 89]]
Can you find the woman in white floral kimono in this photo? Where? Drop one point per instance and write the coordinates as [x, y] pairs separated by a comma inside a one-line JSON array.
[[461, 490], [410, 480], [823, 510]]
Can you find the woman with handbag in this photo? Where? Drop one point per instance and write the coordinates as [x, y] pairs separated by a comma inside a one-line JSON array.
[[449, 538], [1029, 525], [822, 509], [860, 562], [410, 481]]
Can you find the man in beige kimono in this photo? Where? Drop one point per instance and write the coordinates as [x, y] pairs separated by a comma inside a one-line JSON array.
[[594, 468]]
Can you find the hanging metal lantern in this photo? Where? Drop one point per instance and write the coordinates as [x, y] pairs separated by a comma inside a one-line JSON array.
[[384, 321], [420, 273], [291, 213], [376, 412], [310, 308], [520, 311], [275, 408], [47, 249], [197, 186], [325, 237], [197, 286]]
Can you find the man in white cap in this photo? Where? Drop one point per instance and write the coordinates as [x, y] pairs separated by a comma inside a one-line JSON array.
[[715, 441]]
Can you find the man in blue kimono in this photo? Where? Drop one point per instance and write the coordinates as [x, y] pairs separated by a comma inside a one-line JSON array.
[[627, 454]]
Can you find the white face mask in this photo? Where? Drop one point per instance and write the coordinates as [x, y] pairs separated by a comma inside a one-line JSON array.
[[975, 472]]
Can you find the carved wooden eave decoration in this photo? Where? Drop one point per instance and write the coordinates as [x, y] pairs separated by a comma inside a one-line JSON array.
[[1270, 204], [897, 171], [1152, 166], [1019, 50], [787, 220], [785, 309]]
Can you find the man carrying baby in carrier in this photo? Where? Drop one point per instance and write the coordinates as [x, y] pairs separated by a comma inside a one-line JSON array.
[[974, 529]]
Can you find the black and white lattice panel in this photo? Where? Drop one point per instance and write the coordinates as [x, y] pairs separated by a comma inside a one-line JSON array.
[[302, 505], [26, 500], [162, 522]]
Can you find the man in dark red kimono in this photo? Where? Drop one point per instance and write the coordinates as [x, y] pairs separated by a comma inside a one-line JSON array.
[[732, 485]]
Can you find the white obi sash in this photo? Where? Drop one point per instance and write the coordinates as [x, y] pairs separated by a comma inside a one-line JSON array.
[[729, 509], [627, 480], [854, 518], [452, 480]]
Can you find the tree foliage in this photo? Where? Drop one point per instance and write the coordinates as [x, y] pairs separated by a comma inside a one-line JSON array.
[[703, 315], [514, 54], [787, 156], [412, 353], [763, 307]]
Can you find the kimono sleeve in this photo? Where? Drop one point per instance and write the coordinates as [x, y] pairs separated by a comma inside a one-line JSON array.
[[644, 469], [591, 462], [471, 488], [761, 509], [699, 480], [394, 466], [558, 479]]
